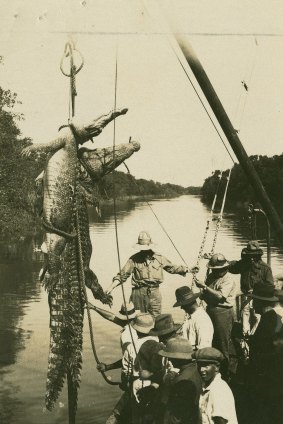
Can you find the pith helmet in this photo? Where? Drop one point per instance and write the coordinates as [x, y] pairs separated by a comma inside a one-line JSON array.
[[144, 240], [253, 249], [217, 261]]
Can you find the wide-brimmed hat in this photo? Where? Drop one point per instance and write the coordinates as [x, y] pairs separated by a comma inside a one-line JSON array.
[[144, 241], [263, 292], [177, 348], [127, 311], [217, 261], [143, 323], [184, 296], [253, 249], [209, 355], [164, 324]]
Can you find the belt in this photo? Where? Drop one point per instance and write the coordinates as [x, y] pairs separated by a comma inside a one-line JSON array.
[[138, 285]]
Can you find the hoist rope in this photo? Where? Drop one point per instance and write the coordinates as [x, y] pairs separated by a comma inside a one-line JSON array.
[[69, 47]]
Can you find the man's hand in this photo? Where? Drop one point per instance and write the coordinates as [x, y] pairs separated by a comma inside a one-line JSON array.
[[199, 284], [101, 367], [194, 270]]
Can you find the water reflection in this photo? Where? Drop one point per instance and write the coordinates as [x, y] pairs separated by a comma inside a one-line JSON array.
[[24, 314]]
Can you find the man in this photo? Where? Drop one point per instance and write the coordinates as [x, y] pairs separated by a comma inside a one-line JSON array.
[[253, 271], [165, 328], [124, 317], [142, 324], [266, 358], [216, 403], [185, 387], [219, 293], [197, 327], [146, 268]]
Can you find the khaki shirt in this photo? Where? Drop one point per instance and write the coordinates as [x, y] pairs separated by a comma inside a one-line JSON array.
[[225, 286], [148, 271]]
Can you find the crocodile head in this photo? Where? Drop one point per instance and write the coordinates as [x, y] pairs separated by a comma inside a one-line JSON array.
[[85, 132], [99, 162]]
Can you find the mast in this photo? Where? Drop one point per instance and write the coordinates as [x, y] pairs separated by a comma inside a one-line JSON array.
[[231, 135]]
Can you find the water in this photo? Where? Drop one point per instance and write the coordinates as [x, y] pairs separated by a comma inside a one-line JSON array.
[[24, 332]]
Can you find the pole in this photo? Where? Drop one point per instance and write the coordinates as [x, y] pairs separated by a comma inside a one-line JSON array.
[[231, 135]]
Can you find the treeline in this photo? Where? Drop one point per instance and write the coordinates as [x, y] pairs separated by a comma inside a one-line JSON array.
[[17, 174], [125, 185], [240, 192]]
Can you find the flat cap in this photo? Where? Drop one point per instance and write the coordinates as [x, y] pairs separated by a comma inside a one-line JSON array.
[[209, 354]]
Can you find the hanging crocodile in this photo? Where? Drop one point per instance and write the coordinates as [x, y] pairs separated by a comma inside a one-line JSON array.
[[69, 172]]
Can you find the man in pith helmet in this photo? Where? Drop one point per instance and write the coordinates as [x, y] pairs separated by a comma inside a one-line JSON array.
[[219, 293], [146, 268]]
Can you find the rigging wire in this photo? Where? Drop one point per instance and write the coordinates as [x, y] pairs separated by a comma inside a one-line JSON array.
[[114, 199]]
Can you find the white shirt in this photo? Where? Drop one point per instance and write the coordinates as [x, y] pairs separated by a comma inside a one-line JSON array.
[[198, 329], [128, 336], [216, 400], [130, 355]]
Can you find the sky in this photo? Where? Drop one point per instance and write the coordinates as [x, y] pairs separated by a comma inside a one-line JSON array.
[[234, 40]]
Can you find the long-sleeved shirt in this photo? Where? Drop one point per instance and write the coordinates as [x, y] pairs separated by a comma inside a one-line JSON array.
[[147, 268], [252, 273], [198, 329]]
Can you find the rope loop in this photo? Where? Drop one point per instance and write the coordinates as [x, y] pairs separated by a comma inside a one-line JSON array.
[[69, 52]]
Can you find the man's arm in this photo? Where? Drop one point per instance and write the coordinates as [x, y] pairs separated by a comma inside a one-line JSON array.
[[235, 267], [102, 367], [122, 276], [177, 269], [105, 314]]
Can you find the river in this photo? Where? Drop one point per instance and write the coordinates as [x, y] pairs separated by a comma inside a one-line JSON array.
[[24, 332]]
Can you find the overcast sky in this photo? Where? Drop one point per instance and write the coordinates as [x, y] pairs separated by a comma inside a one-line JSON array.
[[235, 41]]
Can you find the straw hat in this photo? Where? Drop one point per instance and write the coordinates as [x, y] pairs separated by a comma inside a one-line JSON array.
[[127, 311], [143, 323]]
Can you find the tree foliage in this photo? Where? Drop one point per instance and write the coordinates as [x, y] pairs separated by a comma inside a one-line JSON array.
[[270, 171], [16, 173]]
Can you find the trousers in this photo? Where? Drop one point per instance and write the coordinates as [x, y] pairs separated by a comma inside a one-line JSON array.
[[147, 300], [222, 320]]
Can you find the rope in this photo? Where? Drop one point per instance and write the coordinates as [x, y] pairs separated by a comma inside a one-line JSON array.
[[82, 283]]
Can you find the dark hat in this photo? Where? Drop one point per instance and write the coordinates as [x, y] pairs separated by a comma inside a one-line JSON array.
[[217, 261], [209, 354], [143, 323], [164, 324], [263, 292], [148, 358], [184, 295], [253, 249], [177, 348], [127, 311]]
